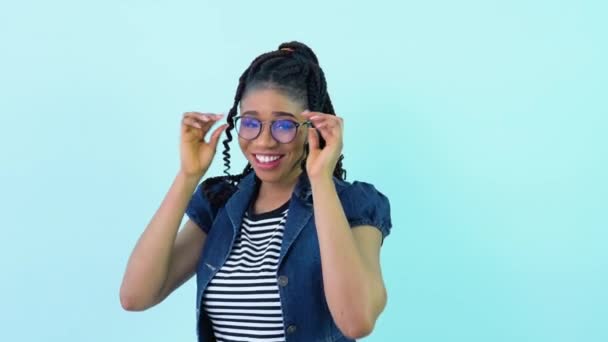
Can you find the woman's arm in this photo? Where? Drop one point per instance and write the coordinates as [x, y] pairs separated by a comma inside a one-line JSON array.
[[163, 259], [350, 261], [350, 258]]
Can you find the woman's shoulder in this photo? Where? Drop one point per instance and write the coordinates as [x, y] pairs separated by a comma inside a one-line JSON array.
[[357, 189], [207, 199], [216, 190], [364, 204]]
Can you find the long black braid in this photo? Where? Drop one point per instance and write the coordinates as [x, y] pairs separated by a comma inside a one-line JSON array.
[[293, 69]]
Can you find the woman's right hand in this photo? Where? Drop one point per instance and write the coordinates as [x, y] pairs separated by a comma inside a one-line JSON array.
[[195, 151]]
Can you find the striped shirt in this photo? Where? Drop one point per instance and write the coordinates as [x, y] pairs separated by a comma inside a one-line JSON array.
[[242, 299]]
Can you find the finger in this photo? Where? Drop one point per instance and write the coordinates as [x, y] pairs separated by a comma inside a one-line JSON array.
[[190, 129], [189, 121], [204, 117], [210, 117], [307, 113], [200, 128], [327, 123], [191, 117], [202, 114], [215, 136], [319, 120], [205, 120], [325, 133]]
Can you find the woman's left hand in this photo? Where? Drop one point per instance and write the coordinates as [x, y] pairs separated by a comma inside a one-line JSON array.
[[322, 162]]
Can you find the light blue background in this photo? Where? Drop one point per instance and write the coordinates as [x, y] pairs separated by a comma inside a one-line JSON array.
[[484, 122]]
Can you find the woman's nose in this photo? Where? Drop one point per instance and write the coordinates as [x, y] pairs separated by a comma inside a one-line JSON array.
[[265, 138]]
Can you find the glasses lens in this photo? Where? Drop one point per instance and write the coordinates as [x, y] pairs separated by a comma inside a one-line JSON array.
[[248, 128], [284, 131]]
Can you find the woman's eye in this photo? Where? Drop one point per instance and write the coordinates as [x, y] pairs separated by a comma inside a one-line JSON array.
[[284, 125], [250, 123]]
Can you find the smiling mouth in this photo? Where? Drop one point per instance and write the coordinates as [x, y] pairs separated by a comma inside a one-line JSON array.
[[267, 158]]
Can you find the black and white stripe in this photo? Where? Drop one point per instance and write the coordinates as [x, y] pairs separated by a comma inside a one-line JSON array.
[[242, 300]]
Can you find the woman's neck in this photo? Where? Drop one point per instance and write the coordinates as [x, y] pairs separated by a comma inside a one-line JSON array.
[[277, 192]]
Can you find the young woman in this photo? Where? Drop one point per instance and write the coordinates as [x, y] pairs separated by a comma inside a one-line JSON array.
[[285, 251]]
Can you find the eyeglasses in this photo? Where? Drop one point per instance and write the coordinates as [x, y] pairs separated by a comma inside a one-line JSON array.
[[283, 130]]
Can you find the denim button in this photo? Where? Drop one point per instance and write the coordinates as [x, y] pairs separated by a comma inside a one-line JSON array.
[[283, 280], [291, 329]]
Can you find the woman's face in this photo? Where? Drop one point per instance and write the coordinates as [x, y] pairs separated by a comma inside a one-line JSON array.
[[273, 161]]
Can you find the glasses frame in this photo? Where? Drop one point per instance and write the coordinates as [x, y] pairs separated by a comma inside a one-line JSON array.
[[272, 122]]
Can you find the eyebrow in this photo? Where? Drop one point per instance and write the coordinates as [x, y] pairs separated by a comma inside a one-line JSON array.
[[278, 113]]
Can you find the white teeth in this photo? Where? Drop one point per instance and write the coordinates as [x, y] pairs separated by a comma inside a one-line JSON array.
[[266, 159]]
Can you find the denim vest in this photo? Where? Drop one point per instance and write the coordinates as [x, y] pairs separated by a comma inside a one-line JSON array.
[[306, 315]]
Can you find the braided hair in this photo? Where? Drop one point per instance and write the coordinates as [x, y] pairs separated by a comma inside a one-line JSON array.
[[292, 69]]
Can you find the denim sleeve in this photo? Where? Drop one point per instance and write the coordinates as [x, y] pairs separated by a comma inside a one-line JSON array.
[[364, 205], [199, 209]]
